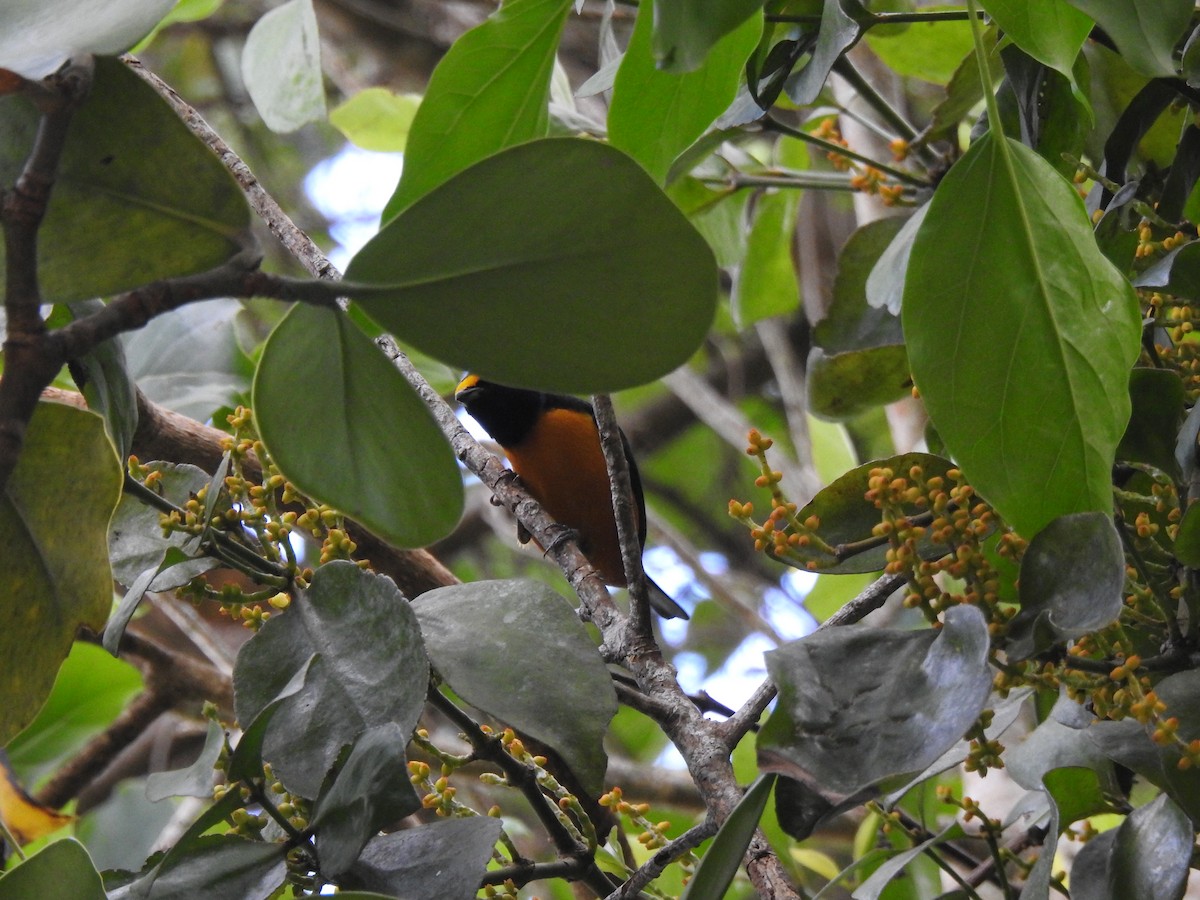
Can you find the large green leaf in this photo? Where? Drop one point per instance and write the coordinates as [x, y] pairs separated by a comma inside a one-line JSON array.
[[281, 67], [1145, 33], [655, 114], [686, 30], [842, 23], [54, 528], [1051, 31], [1020, 335], [62, 869], [470, 631], [490, 91], [859, 707], [132, 177], [589, 278], [344, 426], [37, 36], [359, 641]]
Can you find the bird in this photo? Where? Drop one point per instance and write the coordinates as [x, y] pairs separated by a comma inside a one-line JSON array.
[[553, 444]]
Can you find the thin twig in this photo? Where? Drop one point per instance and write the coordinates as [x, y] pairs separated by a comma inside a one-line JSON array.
[[613, 446], [653, 867]]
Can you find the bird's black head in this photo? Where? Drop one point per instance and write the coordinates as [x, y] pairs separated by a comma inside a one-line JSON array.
[[508, 414]]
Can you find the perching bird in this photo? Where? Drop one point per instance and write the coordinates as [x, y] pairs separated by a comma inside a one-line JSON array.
[[554, 446]]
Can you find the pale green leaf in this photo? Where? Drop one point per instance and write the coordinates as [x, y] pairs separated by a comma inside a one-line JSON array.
[[281, 67], [376, 119], [37, 36], [655, 115], [490, 91]]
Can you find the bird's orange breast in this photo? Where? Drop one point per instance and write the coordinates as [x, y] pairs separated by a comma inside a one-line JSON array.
[[562, 465]]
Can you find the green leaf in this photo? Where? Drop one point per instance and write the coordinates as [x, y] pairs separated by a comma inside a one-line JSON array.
[[931, 51], [370, 790], [719, 865], [135, 538], [90, 691], [569, 714], [489, 92], [656, 114], [443, 859], [132, 176], [1146, 857], [766, 283], [376, 119], [1020, 335], [1187, 539], [1051, 31], [685, 31], [718, 214], [1072, 582], [61, 869], [37, 36], [1077, 793], [1145, 33], [914, 692], [579, 239], [197, 779], [281, 67], [189, 361], [54, 527], [345, 427], [1157, 397], [852, 321], [843, 385], [370, 669], [963, 92]]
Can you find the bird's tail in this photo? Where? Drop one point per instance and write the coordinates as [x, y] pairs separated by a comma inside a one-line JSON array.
[[662, 603]]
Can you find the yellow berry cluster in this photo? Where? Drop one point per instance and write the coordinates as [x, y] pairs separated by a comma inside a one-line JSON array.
[[653, 835], [867, 178], [1181, 350], [783, 535], [1148, 246], [940, 548]]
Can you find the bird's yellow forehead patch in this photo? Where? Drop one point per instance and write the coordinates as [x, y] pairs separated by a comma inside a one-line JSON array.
[[469, 381]]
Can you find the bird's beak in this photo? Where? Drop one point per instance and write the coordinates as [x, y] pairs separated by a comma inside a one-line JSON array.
[[467, 388]]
